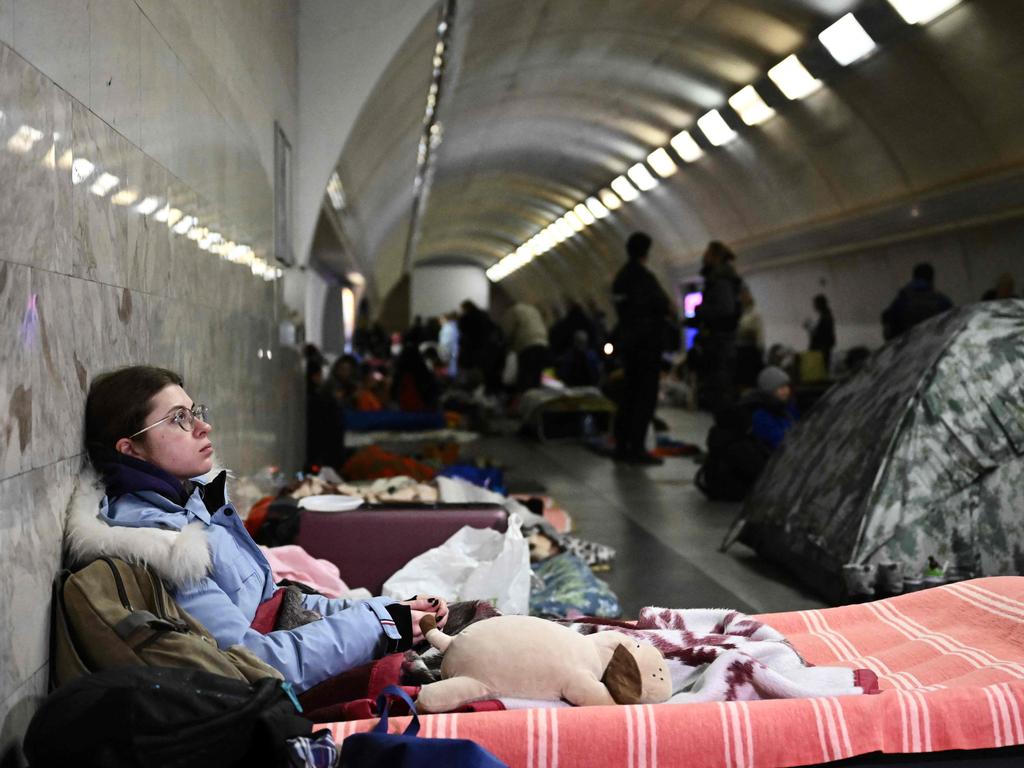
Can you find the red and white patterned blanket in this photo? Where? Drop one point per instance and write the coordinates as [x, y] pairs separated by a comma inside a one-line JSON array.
[[723, 655]]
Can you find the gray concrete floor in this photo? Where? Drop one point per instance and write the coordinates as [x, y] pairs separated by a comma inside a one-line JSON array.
[[666, 532]]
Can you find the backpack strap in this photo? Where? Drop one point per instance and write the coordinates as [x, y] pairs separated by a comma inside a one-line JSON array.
[[382, 707], [137, 619]]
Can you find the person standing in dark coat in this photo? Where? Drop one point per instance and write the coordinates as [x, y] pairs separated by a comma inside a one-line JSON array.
[[718, 318], [643, 308], [823, 332], [481, 346], [917, 301]]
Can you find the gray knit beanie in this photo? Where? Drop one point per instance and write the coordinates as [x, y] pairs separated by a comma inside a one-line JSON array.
[[771, 378]]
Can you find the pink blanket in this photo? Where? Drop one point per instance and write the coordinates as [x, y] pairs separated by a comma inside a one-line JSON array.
[[292, 562]]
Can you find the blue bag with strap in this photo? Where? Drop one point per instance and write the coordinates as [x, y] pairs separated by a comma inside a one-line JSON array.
[[379, 749]]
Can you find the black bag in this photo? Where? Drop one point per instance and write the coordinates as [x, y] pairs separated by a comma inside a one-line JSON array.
[[379, 749], [164, 718]]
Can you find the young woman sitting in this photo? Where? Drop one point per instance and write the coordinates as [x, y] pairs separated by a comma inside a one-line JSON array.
[[150, 443]]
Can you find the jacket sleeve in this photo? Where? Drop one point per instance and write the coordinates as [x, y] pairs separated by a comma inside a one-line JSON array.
[[324, 605], [767, 428], [345, 638]]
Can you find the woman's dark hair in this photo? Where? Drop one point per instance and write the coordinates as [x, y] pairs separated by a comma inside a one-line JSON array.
[[117, 406], [720, 249]]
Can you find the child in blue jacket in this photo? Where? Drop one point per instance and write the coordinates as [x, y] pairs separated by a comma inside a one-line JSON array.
[[775, 413]]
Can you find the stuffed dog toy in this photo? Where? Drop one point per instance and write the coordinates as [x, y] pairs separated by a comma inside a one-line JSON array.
[[530, 658]]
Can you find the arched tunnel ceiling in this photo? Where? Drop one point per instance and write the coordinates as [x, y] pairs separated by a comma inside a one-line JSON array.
[[548, 100]]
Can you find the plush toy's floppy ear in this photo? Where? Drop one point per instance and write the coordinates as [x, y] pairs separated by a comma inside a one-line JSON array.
[[622, 677]]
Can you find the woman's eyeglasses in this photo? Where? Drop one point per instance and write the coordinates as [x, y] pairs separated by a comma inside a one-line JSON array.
[[183, 417]]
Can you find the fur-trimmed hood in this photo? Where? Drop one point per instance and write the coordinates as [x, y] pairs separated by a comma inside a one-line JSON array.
[[179, 558]]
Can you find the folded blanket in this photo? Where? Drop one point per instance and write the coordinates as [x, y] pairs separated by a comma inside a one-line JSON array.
[[723, 655], [293, 562]]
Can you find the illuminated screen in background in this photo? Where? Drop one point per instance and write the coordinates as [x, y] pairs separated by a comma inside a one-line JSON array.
[[691, 301]]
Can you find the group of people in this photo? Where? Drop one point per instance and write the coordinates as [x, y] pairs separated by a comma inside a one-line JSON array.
[[735, 376]]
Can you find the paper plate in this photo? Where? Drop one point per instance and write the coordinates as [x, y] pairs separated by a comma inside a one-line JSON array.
[[330, 503]]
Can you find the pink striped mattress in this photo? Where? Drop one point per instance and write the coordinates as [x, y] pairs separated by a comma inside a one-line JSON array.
[[950, 663]]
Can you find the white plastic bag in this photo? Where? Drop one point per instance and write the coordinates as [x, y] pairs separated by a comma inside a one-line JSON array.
[[474, 564]]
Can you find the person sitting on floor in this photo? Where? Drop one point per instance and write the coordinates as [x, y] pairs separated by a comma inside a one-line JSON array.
[[744, 436], [414, 385], [151, 444], [370, 394], [775, 413], [579, 366]]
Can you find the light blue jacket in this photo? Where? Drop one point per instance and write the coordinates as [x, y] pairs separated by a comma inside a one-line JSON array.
[[351, 633]]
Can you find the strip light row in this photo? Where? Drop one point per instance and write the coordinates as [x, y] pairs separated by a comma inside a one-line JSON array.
[[846, 40], [106, 185]]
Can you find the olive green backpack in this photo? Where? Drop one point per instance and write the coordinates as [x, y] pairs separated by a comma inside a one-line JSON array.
[[112, 613]]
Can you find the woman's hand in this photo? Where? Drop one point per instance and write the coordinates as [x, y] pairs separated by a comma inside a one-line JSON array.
[[421, 605]]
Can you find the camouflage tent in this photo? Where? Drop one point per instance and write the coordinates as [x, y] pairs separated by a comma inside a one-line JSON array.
[[919, 454]]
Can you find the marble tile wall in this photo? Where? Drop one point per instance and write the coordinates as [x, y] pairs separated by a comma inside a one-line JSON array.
[[87, 282]]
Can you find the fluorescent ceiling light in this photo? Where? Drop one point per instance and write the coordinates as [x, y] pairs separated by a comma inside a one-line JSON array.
[[621, 186], [686, 146], [793, 79], [209, 243], [574, 221], [24, 139], [750, 106], [922, 11], [662, 163], [171, 217], [564, 229], [640, 176], [148, 205], [847, 41], [184, 225], [81, 169], [715, 128], [496, 271], [240, 253], [584, 214], [596, 208], [105, 183], [609, 199], [125, 197]]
